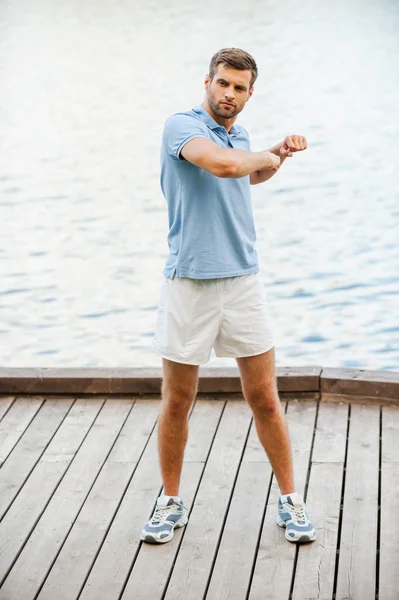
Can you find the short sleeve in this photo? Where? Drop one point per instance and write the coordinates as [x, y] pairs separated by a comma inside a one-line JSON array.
[[180, 129]]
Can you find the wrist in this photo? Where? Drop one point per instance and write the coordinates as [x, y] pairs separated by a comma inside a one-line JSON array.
[[277, 148], [267, 159]]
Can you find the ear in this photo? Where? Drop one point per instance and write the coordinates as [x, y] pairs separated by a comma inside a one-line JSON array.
[[207, 81], [251, 91]]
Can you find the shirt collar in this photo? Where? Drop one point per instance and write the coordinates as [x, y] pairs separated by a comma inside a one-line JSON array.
[[211, 123]]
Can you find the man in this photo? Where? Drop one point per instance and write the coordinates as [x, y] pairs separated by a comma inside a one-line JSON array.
[[212, 295]]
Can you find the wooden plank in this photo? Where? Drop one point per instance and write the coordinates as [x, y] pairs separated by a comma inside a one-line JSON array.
[[357, 382], [194, 561], [119, 550], [30, 448], [37, 491], [331, 430], [202, 426], [72, 381], [146, 380], [289, 379], [32, 565], [140, 380], [389, 535], [275, 558], [162, 559], [15, 422], [5, 403], [298, 379], [389, 544], [90, 528], [238, 546], [357, 558], [136, 432], [299, 396], [74, 562], [219, 380], [390, 434], [314, 577], [112, 565], [355, 399]]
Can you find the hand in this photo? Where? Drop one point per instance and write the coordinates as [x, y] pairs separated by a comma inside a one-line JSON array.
[[291, 144], [272, 161]]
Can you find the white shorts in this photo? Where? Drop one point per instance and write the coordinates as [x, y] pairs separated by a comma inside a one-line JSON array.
[[196, 315]]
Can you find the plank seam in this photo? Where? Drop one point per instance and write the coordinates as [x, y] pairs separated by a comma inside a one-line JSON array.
[[23, 432], [84, 501], [341, 510], [251, 576], [215, 555], [38, 459], [116, 512], [48, 501], [377, 561], [192, 504], [13, 400], [297, 549], [136, 554]]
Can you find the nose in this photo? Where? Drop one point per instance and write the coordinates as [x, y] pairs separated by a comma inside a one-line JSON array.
[[229, 93]]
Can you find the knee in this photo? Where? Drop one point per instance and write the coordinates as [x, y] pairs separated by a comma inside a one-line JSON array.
[[264, 401], [177, 400]]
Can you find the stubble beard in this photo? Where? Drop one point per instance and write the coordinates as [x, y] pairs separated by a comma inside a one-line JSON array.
[[221, 111]]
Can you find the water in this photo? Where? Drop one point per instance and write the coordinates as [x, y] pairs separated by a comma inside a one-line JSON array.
[[85, 90]]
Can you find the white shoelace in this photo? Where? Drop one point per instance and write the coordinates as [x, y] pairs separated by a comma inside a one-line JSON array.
[[162, 513], [298, 512]]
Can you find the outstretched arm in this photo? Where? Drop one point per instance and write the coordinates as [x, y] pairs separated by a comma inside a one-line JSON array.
[[291, 144], [228, 162]]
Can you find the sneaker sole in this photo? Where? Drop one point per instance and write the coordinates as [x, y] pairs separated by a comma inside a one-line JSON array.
[[302, 539], [150, 539]]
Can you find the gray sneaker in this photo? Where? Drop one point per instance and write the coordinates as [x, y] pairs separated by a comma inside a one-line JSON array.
[[294, 517], [168, 515]]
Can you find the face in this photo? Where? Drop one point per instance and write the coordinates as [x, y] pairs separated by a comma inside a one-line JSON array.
[[228, 91]]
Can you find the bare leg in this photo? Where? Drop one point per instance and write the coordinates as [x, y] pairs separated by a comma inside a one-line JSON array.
[[179, 388], [260, 390]]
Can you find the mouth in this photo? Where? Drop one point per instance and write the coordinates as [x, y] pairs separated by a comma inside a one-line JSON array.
[[227, 104]]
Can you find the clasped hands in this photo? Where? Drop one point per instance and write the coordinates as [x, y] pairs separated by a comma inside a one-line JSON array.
[[291, 144]]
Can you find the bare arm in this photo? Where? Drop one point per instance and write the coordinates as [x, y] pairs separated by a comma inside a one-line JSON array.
[[262, 176], [227, 162], [291, 144]]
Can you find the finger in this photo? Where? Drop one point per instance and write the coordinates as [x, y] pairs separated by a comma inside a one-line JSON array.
[[295, 146], [301, 142], [289, 142], [296, 143], [285, 151]]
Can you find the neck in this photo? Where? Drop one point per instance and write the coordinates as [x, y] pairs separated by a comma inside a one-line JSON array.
[[227, 123]]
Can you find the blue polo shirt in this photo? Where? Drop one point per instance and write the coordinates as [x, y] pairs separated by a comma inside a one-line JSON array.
[[211, 226]]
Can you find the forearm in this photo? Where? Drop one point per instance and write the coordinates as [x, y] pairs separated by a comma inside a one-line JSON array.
[[239, 163], [260, 176]]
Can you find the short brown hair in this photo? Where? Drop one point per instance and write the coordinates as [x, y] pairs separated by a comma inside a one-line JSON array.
[[236, 59]]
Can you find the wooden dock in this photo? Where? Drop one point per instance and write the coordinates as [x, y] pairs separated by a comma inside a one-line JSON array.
[[79, 477]]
